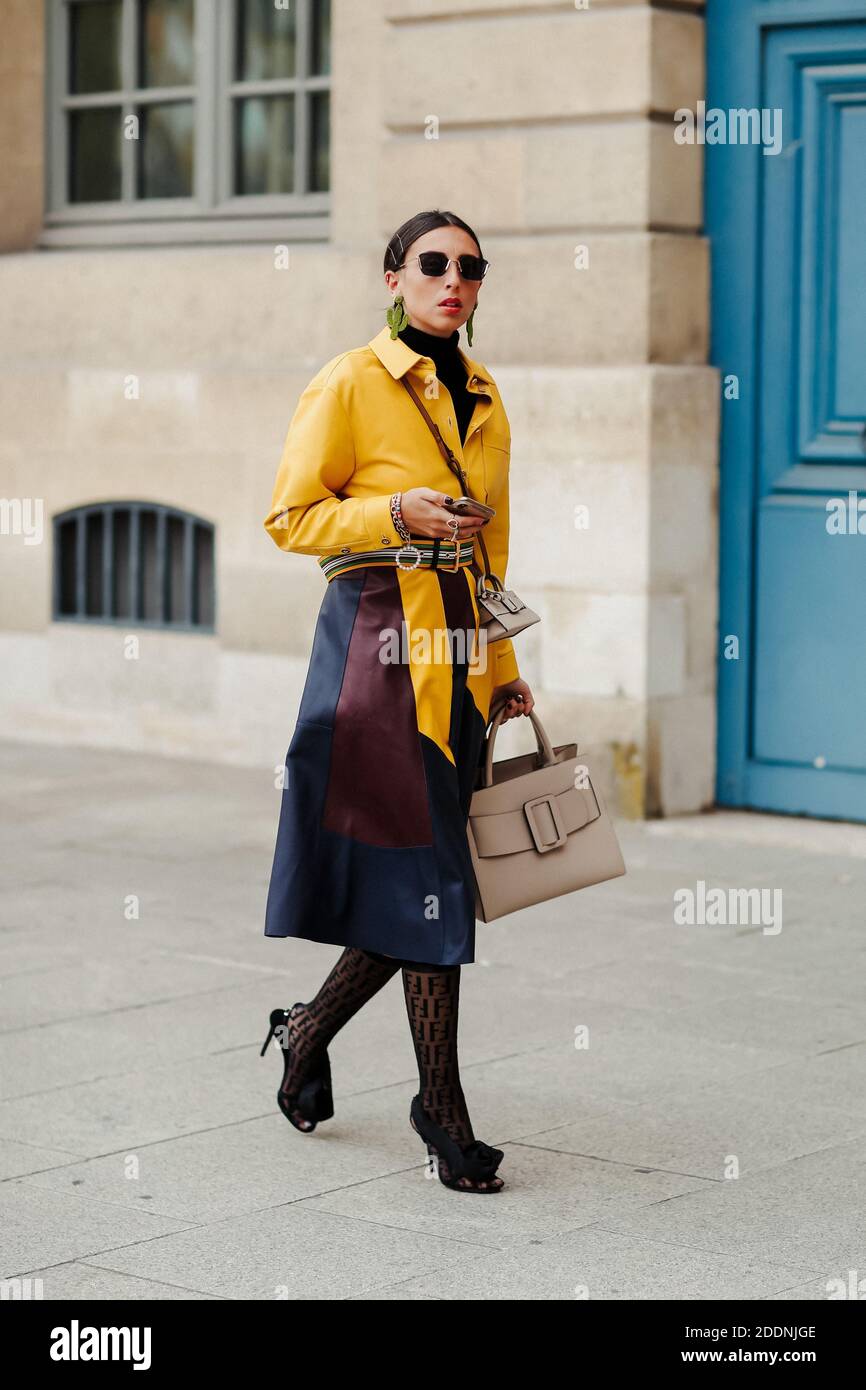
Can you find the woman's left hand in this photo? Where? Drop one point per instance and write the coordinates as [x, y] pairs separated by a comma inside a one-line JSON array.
[[514, 706]]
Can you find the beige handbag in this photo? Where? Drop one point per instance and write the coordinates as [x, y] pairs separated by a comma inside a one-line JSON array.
[[500, 612], [538, 826]]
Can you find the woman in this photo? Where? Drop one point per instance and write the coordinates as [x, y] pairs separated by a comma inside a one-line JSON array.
[[371, 849]]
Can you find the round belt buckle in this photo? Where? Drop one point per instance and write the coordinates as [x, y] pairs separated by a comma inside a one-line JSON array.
[[417, 553]]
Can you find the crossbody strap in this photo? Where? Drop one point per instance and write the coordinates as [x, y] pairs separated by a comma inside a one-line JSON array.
[[454, 465]]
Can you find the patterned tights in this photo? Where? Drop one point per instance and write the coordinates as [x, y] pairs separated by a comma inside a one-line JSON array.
[[432, 997]]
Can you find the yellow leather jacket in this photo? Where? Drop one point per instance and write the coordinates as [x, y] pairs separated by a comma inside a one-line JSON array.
[[356, 437]]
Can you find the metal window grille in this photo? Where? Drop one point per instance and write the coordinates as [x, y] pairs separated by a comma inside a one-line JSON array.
[[134, 563]]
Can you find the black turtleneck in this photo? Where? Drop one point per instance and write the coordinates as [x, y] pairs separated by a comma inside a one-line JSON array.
[[450, 369]]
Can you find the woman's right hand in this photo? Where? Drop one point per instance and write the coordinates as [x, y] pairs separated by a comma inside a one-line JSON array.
[[425, 515]]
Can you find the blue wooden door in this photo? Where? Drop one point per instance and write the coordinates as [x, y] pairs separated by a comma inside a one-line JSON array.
[[788, 245]]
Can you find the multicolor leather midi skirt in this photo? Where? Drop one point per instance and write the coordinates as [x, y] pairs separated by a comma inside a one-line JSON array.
[[371, 846]]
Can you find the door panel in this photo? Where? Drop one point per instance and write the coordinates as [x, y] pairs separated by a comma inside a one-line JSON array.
[[810, 584], [792, 731], [810, 639]]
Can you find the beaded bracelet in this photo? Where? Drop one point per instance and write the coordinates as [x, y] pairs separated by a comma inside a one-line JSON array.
[[397, 517]]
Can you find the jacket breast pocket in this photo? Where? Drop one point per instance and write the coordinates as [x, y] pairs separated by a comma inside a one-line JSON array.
[[497, 458]]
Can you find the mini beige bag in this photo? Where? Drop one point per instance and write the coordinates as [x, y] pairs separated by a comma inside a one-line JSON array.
[[538, 826]]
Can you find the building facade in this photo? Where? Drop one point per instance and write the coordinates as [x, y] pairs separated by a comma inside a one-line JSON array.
[[196, 196]]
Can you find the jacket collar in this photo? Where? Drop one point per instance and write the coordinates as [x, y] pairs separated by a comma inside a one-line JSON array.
[[398, 357]]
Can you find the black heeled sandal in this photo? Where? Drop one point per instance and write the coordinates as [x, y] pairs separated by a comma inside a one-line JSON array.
[[476, 1160], [314, 1099]]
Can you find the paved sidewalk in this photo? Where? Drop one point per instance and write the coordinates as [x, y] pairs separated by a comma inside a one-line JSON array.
[[708, 1142]]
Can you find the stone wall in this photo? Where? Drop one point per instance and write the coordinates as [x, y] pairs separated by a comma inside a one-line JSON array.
[[554, 139]]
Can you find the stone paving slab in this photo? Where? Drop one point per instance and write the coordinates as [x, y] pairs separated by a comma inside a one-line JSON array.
[[79, 1280], [41, 1228], [311, 1255], [607, 1266], [807, 1211]]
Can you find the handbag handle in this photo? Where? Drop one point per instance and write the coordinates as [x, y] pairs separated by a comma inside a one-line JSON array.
[[453, 464], [545, 747]]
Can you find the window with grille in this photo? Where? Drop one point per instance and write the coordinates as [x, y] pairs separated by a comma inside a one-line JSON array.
[[136, 564], [186, 119]]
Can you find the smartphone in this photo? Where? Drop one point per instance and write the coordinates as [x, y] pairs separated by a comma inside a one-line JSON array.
[[467, 506]]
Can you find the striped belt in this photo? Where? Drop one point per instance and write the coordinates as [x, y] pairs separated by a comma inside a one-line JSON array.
[[418, 554]]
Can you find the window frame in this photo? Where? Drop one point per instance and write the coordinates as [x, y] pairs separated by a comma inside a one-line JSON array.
[[213, 213]]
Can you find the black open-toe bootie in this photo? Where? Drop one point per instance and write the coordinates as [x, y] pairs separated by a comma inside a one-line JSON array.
[[314, 1099], [476, 1161], [305, 1095]]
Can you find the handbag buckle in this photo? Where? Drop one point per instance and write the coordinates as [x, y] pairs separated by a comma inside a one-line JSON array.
[[556, 816], [510, 601]]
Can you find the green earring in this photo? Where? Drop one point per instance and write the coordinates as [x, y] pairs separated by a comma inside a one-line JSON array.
[[397, 316], [469, 325]]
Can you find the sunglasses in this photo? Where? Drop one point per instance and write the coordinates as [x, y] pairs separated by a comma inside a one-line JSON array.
[[436, 263]]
